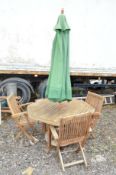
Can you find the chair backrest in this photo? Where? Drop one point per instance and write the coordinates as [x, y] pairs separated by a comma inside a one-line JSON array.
[[74, 129], [95, 100], [13, 104]]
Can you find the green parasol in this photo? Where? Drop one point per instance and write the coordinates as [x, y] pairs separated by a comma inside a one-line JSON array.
[[59, 84]]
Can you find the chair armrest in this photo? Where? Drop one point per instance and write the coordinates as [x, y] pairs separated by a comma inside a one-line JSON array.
[[19, 114], [54, 133], [26, 104], [3, 98]]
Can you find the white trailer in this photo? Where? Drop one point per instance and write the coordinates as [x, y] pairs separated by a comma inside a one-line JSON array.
[[26, 36]]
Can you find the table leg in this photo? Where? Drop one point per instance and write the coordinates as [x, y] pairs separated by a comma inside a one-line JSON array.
[[44, 129], [49, 138]]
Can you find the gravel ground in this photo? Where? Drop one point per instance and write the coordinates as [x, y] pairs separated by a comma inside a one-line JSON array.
[[16, 156]]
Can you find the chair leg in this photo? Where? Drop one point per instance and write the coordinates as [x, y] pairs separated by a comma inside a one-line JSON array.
[[18, 135], [44, 128], [61, 159], [29, 136], [92, 135], [83, 155], [32, 139], [84, 141]]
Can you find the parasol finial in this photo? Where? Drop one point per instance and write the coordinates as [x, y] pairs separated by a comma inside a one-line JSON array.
[[62, 11]]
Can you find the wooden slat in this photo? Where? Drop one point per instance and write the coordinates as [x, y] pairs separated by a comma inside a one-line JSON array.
[[50, 112], [96, 101], [73, 130], [73, 163]]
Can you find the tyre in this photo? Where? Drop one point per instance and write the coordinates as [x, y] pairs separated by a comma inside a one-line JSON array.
[[42, 88], [24, 88]]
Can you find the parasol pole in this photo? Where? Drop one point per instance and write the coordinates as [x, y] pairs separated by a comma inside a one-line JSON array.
[[62, 11]]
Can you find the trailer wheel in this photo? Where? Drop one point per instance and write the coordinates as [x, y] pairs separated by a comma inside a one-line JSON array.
[[42, 88], [24, 88], [24, 92]]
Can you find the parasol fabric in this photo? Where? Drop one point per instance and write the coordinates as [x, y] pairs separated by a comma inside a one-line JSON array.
[[59, 84]]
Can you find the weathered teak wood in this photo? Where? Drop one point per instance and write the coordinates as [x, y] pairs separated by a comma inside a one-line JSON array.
[[21, 118], [96, 101], [50, 112], [72, 130], [6, 109]]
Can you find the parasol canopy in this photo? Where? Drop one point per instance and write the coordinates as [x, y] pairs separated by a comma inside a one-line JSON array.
[[59, 84]]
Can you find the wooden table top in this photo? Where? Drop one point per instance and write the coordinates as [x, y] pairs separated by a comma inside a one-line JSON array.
[[49, 112]]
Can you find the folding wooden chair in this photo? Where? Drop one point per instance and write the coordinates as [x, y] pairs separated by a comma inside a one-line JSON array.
[[23, 122], [96, 101], [72, 130]]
